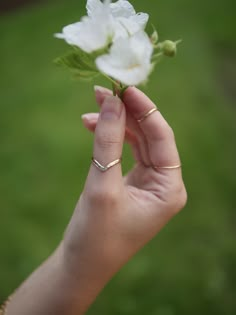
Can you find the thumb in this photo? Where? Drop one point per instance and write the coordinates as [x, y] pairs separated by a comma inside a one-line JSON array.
[[108, 143]]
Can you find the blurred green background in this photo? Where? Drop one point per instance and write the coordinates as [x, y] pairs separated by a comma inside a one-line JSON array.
[[190, 267]]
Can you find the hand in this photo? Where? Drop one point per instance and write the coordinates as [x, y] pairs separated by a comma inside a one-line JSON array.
[[116, 216]]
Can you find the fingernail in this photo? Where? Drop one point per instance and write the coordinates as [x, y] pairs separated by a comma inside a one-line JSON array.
[[90, 116], [99, 90], [111, 108], [100, 93]]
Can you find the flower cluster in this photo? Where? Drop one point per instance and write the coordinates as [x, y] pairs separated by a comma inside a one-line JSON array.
[[111, 40]]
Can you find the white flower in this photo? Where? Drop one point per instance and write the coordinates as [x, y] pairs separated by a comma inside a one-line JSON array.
[[124, 12], [93, 6], [94, 32], [105, 23], [126, 21], [123, 20], [89, 35], [120, 9], [129, 60]]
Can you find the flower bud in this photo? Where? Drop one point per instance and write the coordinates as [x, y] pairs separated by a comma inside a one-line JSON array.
[[169, 48]]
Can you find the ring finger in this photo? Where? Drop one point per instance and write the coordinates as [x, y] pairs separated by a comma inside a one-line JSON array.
[[161, 142]]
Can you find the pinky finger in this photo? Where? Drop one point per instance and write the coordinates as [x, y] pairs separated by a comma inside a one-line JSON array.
[[90, 121]]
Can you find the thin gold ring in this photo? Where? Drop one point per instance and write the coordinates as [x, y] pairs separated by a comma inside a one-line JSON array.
[[104, 168], [151, 111], [167, 167]]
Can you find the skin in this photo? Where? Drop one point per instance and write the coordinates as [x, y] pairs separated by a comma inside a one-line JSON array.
[[115, 216]]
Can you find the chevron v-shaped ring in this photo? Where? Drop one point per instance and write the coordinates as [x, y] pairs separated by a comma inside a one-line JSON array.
[[105, 168]]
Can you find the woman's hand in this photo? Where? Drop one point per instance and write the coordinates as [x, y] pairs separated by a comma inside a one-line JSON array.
[[116, 216]]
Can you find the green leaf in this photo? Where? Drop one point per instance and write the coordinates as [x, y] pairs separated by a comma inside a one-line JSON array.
[[84, 75], [80, 63]]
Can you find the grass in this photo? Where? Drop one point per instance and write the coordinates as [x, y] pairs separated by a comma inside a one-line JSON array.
[[45, 154]]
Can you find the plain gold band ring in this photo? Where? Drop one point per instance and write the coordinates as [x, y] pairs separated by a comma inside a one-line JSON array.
[[104, 168], [167, 167], [151, 111]]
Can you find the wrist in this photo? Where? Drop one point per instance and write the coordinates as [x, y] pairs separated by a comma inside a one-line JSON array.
[[93, 257], [85, 274], [91, 262]]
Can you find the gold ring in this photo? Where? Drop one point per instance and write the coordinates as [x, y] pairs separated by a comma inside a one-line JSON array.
[[105, 168], [167, 167], [151, 111]]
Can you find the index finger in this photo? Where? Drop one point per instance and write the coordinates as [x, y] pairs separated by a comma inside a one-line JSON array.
[[160, 137]]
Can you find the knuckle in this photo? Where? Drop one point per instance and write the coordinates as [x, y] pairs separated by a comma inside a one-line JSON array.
[[175, 198], [182, 200], [178, 199], [169, 131], [103, 197], [106, 140]]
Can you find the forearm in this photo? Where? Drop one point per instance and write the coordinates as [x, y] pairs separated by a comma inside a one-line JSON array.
[[55, 289], [68, 282]]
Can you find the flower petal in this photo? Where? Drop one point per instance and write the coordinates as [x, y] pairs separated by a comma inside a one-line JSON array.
[[89, 34], [129, 60], [92, 6], [122, 8], [70, 33], [141, 19], [132, 76], [129, 25]]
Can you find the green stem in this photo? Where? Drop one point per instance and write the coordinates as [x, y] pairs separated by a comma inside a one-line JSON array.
[[122, 91], [178, 41], [117, 88], [157, 57], [114, 89], [110, 79]]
